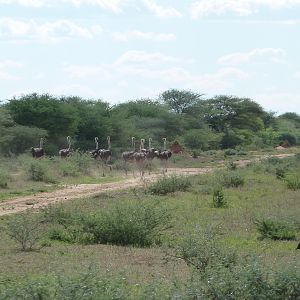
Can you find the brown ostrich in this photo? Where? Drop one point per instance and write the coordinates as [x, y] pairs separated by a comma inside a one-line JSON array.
[[105, 154], [141, 158], [66, 152], [128, 156], [38, 152], [164, 155]]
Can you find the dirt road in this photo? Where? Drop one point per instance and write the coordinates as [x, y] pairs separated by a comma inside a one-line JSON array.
[[87, 190]]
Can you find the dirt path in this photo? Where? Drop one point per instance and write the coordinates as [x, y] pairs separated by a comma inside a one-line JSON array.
[[87, 190]]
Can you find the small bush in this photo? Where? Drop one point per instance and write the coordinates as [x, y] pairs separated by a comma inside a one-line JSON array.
[[25, 229], [38, 170], [201, 251], [166, 185], [280, 172], [275, 230], [219, 198], [231, 166], [230, 152], [232, 179], [4, 178], [292, 182]]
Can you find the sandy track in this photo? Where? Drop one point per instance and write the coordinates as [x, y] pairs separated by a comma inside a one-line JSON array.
[[87, 190]]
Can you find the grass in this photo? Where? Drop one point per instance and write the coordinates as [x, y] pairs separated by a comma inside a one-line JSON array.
[[262, 196]]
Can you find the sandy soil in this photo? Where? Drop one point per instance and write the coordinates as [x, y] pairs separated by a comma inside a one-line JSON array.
[[87, 190]]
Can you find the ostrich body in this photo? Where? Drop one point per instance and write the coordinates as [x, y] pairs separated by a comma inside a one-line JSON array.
[[128, 156], [38, 152], [66, 152], [164, 155], [141, 157], [298, 247], [105, 154]]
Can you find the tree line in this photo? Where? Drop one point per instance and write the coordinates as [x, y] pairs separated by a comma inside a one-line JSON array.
[[197, 123]]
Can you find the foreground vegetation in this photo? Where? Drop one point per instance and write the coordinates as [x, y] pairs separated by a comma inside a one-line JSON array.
[[168, 240]]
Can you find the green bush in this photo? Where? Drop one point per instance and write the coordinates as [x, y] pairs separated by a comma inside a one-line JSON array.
[[26, 229], [292, 182], [4, 178], [127, 223], [219, 198], [232, 179], [201, 251], [275, 230], [166, 185]]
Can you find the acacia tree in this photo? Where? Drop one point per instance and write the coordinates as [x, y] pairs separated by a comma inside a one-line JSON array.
[[179, 101]]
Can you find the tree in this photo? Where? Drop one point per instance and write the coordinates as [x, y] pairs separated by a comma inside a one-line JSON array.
[[180, 101], [225, 113]]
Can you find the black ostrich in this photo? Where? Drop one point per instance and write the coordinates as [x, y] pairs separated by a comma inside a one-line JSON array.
[[298, 247], [94, 153], [105, 154], [66, 152], [128, 156], [140, 157], [38, 152], [164, 155]]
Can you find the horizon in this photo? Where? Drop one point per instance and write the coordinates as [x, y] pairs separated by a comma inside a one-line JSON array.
[[119, 51]]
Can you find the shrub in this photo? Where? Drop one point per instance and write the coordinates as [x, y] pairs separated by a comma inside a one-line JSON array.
[[4, 178], [280, 172], [171, 184], [201, 251], [230, 152], [129, 223], [292, 182], [25, 229], [231, 166], [219, 198], [275, 230], [232, 179]]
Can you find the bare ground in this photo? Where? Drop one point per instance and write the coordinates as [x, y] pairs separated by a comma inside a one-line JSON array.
[[87, 190]]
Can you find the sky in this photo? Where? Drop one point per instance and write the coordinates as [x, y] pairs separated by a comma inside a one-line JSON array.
[[121, 50]]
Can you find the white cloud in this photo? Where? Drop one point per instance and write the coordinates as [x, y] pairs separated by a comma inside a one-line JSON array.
[[6, 67], [279, 102], [16, 30], [160, 68], [297, 75], [161, 11], [274, 54], [144, 58], [112, 5], [140, 35], [203, 8]]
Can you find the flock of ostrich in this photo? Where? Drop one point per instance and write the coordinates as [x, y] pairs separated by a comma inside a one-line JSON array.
[[142, 156]]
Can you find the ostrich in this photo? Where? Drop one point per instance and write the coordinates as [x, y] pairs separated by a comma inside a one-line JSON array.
[[141, 157], [164, 155], [150, 154], [94, 153], [298, 247], [128, 156], [66, 152], [38, 152], [105, 154]]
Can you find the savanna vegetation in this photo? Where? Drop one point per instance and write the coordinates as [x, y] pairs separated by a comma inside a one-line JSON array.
[[199, 237], [227, 234], [197, 123]]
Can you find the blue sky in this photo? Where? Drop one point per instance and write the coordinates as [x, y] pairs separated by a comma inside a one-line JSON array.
[[119, 50]]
